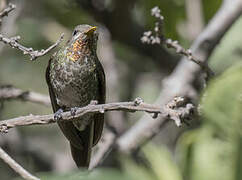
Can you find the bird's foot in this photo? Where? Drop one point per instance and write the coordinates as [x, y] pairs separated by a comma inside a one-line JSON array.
[[58, 114], [73, 111]]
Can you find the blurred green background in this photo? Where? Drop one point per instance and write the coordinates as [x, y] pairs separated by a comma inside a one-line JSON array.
[[210, 151]]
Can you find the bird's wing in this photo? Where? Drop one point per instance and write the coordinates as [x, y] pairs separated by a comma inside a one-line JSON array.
[[68, 129], [99, 118]]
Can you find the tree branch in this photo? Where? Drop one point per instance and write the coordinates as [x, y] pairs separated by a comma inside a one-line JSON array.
[[178, 114], [159, 38], [13, 41], [9, 92], [6, 11], [195, 18], [177, 109], [15, 166], [34, 54]]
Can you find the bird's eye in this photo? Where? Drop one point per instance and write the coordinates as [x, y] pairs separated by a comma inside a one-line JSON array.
[[74, 33]]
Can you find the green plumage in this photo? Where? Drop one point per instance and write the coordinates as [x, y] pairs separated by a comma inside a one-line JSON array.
[[75, 77]]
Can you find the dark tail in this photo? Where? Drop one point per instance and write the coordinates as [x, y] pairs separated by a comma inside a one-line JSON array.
[[82, 156]]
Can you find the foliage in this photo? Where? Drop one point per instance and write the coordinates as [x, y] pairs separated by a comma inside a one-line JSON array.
[[214, 150], [229, 50]]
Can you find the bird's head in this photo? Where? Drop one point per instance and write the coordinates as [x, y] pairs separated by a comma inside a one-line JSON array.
[[84, 38]]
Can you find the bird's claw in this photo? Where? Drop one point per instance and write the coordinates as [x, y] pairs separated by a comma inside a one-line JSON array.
[[58, 114], [73, 111]]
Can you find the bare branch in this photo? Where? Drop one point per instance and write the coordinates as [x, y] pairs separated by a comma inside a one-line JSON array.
[[137, 105], [34, 54], [9, 92], [176, 110], [159, 38], [195, 18], [15, 166], [177, 105], [6, 11], [9, 25], [188, 53]]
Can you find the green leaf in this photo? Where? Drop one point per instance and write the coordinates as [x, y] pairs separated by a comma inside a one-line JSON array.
[[162, 163], [100, 174], [223, 102], [214, 150], [229, 50]]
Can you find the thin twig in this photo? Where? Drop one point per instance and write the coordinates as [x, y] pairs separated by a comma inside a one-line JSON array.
[[188, 53], [176, 109], [9, 25], [15, 166], [8, 92], [176, 114], [6, 11], [34, 54], [157, 37], [177, 105]]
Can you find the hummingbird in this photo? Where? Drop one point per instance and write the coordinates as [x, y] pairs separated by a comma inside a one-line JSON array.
[[75, 77]]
